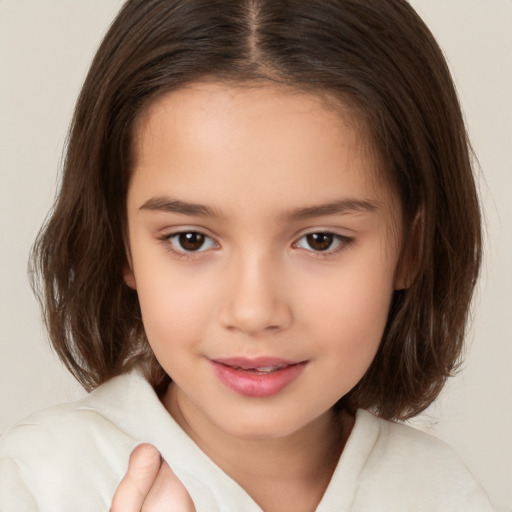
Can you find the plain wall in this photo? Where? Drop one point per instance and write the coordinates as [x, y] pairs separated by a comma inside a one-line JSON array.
[[45, 49]]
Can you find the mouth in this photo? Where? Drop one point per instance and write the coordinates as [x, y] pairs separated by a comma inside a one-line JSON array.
[[258, 378], [261, 369]]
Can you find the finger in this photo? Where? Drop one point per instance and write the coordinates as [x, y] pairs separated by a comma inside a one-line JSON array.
[[145, 462], [168, 494]]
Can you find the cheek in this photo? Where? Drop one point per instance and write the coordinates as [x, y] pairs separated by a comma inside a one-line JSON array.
[[346, 313], [353, 298], [175, 308], [348, 336], [179, 304]]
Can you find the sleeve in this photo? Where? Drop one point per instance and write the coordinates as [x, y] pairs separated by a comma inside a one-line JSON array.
[[14, 495], [477, 500], [62, 460]]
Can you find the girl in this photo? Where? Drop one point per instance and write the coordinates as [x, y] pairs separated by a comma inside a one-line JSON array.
[[267, 227]]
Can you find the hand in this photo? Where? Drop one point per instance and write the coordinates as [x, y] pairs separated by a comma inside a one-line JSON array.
[[150, 485]]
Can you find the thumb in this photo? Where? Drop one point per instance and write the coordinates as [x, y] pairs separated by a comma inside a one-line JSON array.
[[168, 494], [145, 462]]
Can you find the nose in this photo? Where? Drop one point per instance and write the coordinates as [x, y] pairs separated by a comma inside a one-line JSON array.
[[254, 300]]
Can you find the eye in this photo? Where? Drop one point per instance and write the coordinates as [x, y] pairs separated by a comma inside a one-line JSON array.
[[325, 242], [190, 241]]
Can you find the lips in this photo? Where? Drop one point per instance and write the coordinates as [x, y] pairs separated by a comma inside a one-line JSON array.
[[259, 377]]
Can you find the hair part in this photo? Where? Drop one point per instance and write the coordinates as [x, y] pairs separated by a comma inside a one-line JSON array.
[[377, 59]]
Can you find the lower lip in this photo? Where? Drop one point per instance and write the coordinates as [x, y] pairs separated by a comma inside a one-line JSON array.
[[257, 384]]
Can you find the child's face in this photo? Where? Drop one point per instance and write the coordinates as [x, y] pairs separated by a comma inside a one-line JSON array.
[[286, 259]]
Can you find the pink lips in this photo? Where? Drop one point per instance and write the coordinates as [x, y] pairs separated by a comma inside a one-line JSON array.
[[259, 377]]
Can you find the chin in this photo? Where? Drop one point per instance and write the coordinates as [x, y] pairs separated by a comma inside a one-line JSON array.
[[262, 426]]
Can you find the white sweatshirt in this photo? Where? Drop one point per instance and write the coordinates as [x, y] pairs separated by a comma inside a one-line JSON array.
[[72, 457]]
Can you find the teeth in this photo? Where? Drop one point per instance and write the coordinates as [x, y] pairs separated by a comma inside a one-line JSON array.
[[262, 369], [268, 369]]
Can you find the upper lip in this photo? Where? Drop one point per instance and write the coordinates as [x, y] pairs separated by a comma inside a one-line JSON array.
[[248, 363]]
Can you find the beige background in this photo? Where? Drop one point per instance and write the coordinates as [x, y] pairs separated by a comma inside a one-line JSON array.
[[45, 49]]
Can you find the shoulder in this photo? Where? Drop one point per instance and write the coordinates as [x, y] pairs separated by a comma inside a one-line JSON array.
[[60, 454], [407, 465], [60, 431], [403, 441]]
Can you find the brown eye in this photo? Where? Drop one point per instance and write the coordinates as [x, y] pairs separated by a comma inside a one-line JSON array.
[[323, 242], [320, 241], [190, 241]]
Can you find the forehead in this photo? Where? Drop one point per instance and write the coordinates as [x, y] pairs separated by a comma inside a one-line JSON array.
[[251, 109], [248, 140]]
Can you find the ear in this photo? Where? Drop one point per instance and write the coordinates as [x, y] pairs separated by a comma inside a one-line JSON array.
[[408, 266], [129, 276]]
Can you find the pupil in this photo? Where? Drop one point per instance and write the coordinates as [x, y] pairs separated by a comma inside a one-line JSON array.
[[320, 241], [191, 241]]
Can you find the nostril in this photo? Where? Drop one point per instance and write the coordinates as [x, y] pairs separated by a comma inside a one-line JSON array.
[[252, 301], [255, 323]]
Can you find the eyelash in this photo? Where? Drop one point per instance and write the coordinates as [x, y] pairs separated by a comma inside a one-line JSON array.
[[183, 253], [343, 242]]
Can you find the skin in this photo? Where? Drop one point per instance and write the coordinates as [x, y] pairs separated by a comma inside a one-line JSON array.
[[259, 160], [150, 486]]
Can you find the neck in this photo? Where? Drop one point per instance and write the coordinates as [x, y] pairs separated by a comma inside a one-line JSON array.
[[276, 473]]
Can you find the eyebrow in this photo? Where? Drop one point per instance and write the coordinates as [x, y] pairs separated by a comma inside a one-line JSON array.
[[342, 206], [165, 204]]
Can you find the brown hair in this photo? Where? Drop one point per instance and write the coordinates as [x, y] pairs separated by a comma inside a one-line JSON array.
[[377, 57]]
